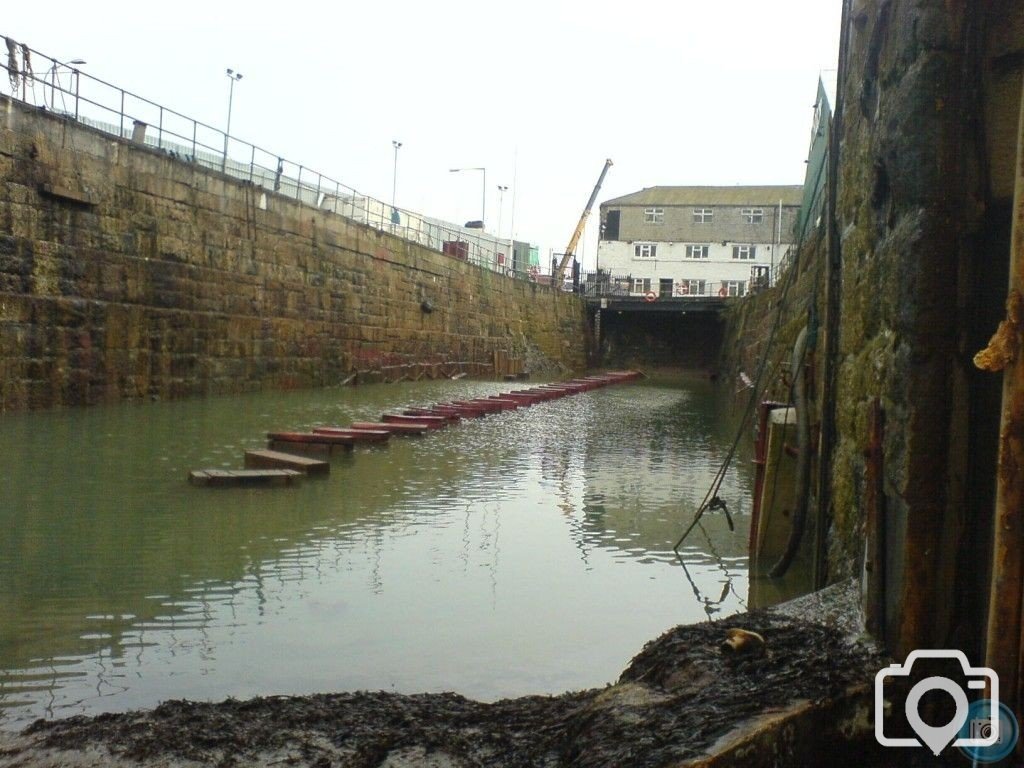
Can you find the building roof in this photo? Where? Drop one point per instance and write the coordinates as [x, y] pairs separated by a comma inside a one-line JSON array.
[[789, 195]]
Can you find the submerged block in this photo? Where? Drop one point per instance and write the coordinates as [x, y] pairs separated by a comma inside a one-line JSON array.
[[226, 478], [282, 460]]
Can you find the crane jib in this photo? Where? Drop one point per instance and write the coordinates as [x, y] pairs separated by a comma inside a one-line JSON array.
[[578, 232]]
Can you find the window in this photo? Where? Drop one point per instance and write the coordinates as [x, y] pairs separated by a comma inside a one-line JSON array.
[[697, 251], [735, 287], [645, 251], [641, 284], [702, 215], [654, 215], [753, 215], [691, 288], [745, 252]]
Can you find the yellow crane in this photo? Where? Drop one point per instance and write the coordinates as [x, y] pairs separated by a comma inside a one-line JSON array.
[[570, 249]]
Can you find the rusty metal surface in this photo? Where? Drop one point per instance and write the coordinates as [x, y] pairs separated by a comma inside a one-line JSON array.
[[760, 460], [1004, 649]]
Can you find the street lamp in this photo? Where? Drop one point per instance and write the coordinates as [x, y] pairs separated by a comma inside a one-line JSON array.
[[483, 203], [234, 77], [501, 207], [54, 75], [395, 218]]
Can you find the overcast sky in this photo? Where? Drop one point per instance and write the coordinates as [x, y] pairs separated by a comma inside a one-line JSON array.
[[538, 92]]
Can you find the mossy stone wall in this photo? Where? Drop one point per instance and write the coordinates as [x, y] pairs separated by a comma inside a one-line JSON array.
[[127, 274]]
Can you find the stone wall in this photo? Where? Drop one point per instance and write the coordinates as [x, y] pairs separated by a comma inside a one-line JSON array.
[[928, 103], [127, 274]]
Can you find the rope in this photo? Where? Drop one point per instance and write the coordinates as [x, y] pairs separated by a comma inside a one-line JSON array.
[[26, 62], [711, 499]]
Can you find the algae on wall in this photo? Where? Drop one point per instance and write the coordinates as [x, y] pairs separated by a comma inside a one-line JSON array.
[[921, 225], [148, 276]]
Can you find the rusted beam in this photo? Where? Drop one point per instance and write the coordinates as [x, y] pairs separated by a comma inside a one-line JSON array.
[[1004, 650]]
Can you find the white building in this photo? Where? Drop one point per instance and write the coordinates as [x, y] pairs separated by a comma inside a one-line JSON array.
[[706, 241]]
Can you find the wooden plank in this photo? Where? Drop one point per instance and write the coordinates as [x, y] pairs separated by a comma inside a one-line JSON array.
[[508, 402], [466, 411], [431, 422], [505, 405], [357, 435], [395, 429], [310, 437], [487, 405], [316, 449], [522, 397], [280, 460], [445, 412], [223, 478]]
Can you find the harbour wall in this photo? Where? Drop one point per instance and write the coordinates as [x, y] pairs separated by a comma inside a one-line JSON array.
[[899, 291], [128, 274]]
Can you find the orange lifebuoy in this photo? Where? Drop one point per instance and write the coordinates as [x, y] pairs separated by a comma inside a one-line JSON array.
[[723, 292], [650, 296]]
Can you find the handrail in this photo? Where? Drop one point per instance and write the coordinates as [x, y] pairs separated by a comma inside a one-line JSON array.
[[193, 141]]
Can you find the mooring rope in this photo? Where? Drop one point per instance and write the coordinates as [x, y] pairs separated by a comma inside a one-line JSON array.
[[711, 498]]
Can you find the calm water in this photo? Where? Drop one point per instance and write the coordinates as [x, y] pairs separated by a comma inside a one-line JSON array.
[[528, 552]]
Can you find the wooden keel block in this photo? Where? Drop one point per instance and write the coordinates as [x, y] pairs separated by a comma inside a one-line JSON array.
[[228, 478], [310, 437], [314, 449], [431, 422], [357, 435], [395, 429], [279, 460]]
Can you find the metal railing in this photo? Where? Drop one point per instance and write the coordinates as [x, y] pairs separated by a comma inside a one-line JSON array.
[[606, 285], [65, 90]]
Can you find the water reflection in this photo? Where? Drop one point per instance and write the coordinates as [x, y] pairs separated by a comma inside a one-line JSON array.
[[522, 553]]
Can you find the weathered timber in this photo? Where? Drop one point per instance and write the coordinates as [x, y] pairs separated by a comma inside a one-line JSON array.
[[395, 429], [432, 422], [280, 460], [224, 478], [357, 435], [444, 412], [310, 437]]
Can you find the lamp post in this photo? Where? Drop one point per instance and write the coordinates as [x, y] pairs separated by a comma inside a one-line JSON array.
[[54, 73], [483, 202], [234, 77], [394, 183], [501, 207]]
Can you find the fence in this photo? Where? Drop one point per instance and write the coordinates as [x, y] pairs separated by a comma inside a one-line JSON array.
[[65, 90], [606, 285]]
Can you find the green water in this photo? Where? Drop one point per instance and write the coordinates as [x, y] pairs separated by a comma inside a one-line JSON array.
[[526, 552]]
